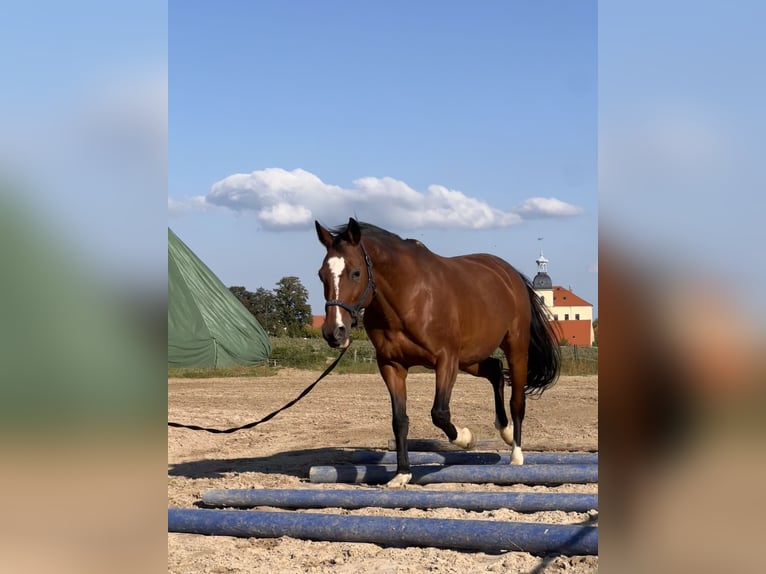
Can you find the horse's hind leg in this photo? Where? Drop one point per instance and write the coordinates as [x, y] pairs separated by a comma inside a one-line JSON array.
[[492, 370], [446, 373], [516, 353]]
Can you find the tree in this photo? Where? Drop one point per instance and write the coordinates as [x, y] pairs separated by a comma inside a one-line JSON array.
[[244, 296], [260, 304], [282, 312], [291, 306], [264, 309], [595, 332]]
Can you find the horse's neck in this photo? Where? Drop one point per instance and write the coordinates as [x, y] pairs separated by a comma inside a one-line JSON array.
[[386, 262]]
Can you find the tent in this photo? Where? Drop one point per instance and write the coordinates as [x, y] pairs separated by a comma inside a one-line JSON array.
[[207, 324]]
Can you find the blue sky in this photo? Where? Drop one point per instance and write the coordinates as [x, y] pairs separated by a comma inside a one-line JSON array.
[[472, 127]]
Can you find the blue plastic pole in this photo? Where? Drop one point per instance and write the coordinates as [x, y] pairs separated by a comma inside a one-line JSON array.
[[381, 498], [544, 474], [477, 535], [380, 457]]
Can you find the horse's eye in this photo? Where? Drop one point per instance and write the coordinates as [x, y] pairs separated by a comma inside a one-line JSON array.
[[356, 274]]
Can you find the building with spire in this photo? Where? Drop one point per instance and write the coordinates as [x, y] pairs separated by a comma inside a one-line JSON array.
[[572, 315]]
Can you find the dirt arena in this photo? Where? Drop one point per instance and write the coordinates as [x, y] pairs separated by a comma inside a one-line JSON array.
[[343, 413]]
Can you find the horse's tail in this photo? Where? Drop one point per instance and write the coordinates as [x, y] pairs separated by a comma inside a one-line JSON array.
[[544, 357]]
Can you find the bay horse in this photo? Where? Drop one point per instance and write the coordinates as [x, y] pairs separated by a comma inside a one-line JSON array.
[[444, 313]]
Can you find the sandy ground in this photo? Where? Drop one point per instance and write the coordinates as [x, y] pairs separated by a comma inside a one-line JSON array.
[[343, 413]]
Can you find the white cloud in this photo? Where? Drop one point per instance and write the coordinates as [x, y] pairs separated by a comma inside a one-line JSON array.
[[177, 208], [544, 207], [285, 215], [282, 199]]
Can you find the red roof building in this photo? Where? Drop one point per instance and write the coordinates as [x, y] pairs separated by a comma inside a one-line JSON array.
[[571, 314]]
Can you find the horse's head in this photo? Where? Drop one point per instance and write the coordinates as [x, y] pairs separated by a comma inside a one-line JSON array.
[[349, 286]]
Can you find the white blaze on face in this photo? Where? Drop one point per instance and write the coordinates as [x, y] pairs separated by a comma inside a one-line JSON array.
[[336, 265]]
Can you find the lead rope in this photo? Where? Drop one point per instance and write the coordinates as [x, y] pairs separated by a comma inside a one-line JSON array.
[[269, 416]]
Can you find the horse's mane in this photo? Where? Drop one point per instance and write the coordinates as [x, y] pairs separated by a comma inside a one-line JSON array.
[[368, 229], [378, 233]]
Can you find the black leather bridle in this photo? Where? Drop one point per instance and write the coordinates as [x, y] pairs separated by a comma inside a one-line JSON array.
[[357, 307]]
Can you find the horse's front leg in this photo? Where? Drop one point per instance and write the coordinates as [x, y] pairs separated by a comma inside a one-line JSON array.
[[395, 376]]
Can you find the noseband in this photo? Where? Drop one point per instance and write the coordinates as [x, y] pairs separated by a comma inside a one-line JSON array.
[[354, 309]]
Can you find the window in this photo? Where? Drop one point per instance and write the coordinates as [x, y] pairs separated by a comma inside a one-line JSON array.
[[566, 316], [542, 299], [577, 316], [555, 317]]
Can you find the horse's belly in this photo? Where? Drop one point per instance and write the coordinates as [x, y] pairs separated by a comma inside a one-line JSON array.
[[472, 356]]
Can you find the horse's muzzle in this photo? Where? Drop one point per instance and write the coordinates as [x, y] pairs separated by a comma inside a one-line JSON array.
[[338, 338]]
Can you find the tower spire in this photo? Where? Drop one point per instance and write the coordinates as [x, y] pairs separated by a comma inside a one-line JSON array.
[[542, 280], [542, 263]]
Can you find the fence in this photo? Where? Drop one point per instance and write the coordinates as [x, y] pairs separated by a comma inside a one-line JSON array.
[[314, 354]]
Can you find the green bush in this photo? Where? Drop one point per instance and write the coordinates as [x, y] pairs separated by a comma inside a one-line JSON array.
[[312, 332], [315, 355]]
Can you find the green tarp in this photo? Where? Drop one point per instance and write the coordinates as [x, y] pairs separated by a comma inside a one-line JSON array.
[[207, 325]]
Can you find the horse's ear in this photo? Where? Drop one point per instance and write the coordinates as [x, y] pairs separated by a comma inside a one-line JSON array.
[[354, 231], [325, 237]]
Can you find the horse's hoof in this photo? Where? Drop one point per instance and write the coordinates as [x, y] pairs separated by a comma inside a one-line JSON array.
[[465, 439], [506, 433], [399, 481], [517, 457]]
